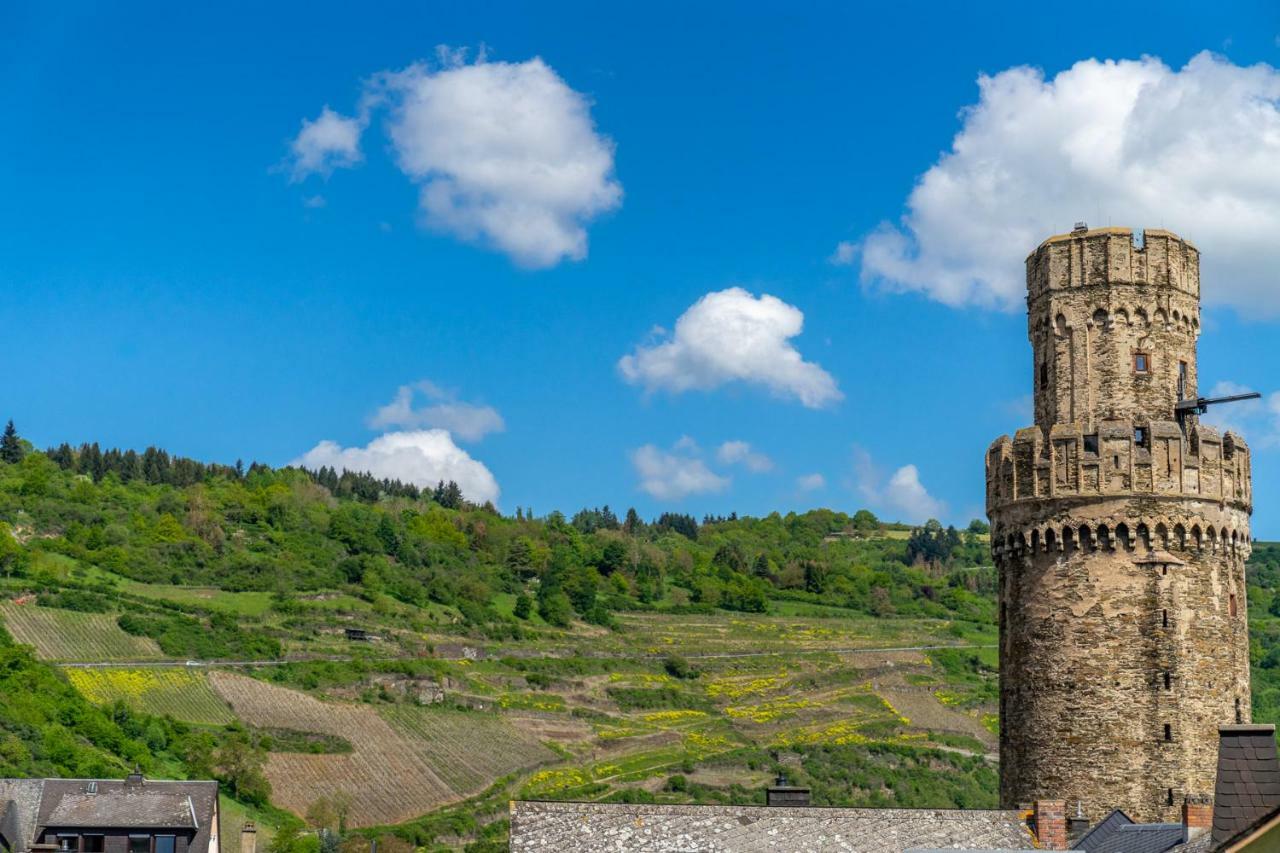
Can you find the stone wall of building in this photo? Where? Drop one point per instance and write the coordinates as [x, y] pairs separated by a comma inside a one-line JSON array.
[[1120, 534]]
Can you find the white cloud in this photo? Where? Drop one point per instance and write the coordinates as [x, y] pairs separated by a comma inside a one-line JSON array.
[[505, 154], [465, 420], [902, 492], [314, 202], [844, 254], [1132, 143], [421, 457], [811, 482], [328, 142], [728, 336], [673, 475], [740, 452]]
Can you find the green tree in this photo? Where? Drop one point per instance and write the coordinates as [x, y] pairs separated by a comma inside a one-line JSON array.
[[11, 449], [238, 763], [865, 522], [524, 607]]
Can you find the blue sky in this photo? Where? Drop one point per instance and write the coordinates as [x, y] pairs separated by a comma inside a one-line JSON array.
[[176, 275]]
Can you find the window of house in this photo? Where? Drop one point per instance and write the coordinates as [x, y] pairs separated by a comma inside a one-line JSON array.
[[139, 844], [68, 842], [1141, 362], [164, 844], [92, 844]]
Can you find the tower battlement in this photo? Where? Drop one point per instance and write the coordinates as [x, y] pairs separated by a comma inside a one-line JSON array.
[[1153, 260], [1120, 458]]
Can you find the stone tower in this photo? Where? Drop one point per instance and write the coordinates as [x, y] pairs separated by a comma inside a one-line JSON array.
[[1120, 532]]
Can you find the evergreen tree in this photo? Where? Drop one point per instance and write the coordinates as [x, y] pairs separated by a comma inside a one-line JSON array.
[[11, 449]]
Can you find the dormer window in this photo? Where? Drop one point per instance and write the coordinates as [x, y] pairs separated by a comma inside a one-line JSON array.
[[1142, 362]]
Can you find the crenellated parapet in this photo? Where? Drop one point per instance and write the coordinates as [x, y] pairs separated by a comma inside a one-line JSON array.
[[1121, 459], [1111, 258]]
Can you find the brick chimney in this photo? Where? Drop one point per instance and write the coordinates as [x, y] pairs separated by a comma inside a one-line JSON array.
[[248, 838], [1051, 824], [1197, 814]]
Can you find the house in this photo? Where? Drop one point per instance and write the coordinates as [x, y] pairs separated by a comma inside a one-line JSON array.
[[133, 815]]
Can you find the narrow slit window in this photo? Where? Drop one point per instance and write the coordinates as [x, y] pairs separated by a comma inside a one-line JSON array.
[[1164, 618], [1168, 797], [1044, 375], [1182, 380], [1231, 605], [1115, 460], [1168, 732], [1141, 362], [1168, 681]]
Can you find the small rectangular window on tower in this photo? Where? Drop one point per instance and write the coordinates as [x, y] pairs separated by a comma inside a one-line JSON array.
[[1168, 732], [1141, 362], [1182, 380], [1140, 436], [1091, 443]]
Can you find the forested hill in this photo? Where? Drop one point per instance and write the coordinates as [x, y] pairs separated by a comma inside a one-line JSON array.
[[154, 517], [193, 619]]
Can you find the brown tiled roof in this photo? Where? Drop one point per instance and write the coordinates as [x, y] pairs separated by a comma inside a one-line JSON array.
[[1248, 785], [573, 827]]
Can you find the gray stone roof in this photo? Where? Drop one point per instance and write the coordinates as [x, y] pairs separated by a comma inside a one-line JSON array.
[[572, 827], [20, 799]]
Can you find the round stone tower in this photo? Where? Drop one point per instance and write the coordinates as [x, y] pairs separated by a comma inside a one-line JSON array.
[[1120, 530]]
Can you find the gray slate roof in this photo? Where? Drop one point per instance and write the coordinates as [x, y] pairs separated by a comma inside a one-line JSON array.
[[572, 827], [1248, 785], [1117, 833]]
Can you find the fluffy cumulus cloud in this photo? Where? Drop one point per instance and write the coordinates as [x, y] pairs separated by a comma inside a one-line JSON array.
[[421, 457], [504, 154], [467, 421], [732, 336], [325, 143], [670, 475], [741, 453], [901, 492], [1134, 143]]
